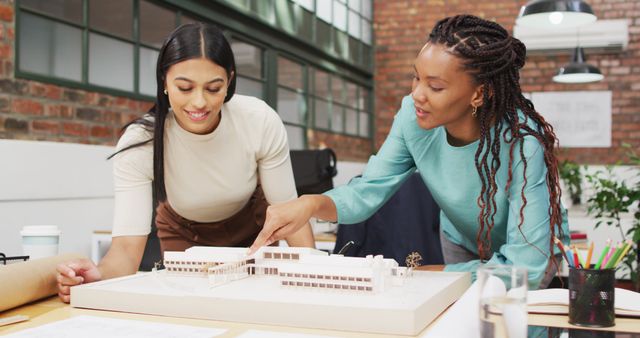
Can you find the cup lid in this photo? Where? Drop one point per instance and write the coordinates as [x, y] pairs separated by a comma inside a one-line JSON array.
[[40, 230]]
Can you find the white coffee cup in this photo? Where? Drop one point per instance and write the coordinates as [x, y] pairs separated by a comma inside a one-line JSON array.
[[40, 240]]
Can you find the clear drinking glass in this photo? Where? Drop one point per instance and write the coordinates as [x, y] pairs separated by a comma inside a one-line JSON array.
[[503, 301]]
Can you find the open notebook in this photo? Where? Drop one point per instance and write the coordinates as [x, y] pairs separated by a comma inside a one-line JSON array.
[[556, 301]]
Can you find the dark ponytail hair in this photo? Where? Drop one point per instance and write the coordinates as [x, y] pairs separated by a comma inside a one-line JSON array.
[[189, 41], [493, 58]]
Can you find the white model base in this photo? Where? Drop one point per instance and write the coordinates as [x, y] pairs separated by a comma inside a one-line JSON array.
[[405, 309]]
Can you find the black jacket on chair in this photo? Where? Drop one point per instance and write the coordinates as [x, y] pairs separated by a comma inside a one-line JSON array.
[[409, 222]]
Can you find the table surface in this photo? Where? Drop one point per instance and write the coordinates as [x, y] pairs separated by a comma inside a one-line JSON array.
[[52, 309]]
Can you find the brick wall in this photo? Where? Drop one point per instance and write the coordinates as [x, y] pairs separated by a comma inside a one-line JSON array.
[[401, 27], [347, 148], [32, 110]]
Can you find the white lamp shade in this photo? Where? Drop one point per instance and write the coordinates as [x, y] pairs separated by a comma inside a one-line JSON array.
[[578, 70], [578, 78], [558, 13]]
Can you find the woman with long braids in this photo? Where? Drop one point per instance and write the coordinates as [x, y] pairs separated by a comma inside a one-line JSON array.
[[214, 159], [483, 151]]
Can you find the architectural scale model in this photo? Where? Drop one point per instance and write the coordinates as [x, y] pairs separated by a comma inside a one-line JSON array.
[[293, 267], [282, 286]]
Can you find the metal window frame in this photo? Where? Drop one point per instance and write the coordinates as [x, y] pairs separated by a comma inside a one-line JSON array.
[[86, 30], [240, 24]]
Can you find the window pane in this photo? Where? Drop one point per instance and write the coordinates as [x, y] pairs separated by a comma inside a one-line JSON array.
[[355, 5], [354, 24], [339, 15], [363, 102], [341, 44], [351, 122], [264, 8], [308, 4], [148, 60], [70, 10], [289, 73], [324, 11], [113, 17], [291, 106], [248, 59], [354, 50], [337, 88], [364, 124], [336, 119], [366, 56], [50, 48], [295, 136], [155, 23], [352, 95], [321, 84], [366, 9], [304, 20], [249, 87], [321, 114], [110, 62], [366, 31], [323, 36], [284, 15]]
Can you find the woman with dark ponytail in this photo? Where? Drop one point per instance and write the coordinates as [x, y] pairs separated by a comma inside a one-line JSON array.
[[213, 159], [481, 148]]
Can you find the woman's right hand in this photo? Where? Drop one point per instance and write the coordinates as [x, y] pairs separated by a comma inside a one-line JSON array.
[[287, 218], [283, 220], [73, 273]]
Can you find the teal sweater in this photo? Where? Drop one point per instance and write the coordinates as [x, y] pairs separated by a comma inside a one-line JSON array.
[[451, 176]]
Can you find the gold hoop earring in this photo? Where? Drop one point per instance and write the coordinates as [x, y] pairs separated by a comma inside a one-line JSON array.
[[165, 92], [474, 113]]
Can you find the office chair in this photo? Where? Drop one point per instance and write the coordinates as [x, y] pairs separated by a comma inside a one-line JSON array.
[[408, 223]]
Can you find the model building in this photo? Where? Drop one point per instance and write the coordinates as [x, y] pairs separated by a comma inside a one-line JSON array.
[[293, 267]]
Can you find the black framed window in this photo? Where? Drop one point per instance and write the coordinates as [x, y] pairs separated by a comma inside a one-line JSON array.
[[340, 105], [292, 100], [342, 28], [112, 48], [250, 79], [50, 48]]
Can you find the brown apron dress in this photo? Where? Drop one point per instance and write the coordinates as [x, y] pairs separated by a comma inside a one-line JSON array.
[[177, 233]]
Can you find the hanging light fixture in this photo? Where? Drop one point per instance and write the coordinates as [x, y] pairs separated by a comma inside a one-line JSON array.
[[555, 13], [578, 71]]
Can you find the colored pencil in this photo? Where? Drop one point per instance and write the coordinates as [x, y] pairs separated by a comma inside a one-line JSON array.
[[612, 249], [561, 247], [628, 246], [578, 258], [587, 263], [571, 262], [603, 254], [614, 257]]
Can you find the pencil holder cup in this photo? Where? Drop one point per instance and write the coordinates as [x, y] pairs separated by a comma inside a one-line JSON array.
[[591, 297]]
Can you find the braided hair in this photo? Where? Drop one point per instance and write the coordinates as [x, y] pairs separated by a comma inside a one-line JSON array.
[[493, 58]]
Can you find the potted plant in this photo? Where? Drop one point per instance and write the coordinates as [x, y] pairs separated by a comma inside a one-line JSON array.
[[571, 176], [613, 197]]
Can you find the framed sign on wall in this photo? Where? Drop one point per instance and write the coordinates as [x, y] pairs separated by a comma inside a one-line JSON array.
[[581, 119]]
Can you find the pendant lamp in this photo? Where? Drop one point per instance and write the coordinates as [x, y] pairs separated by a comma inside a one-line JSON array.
[[578, 71], [555, 13]]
